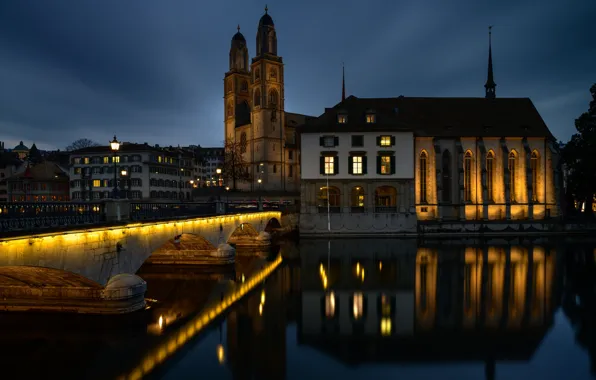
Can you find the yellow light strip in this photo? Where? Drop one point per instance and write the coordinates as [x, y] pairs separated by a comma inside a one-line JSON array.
[[207, 219], [197, 324]]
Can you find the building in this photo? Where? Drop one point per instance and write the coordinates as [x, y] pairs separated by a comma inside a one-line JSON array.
[[255, 116], [389, 162], [21, 151], [209, 160], [9, 164], [152, 173], [44, 182]]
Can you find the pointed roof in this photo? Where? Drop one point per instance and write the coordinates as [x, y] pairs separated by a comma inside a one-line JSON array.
[[490, 82]]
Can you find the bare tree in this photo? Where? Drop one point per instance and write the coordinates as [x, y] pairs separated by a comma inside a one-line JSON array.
[[234, 168], [80, 144]]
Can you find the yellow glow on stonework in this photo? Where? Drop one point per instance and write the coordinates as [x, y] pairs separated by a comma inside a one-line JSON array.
[[179, 338], [101, 234]]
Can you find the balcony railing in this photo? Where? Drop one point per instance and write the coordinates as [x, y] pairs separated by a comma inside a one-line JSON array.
[[36, 215]]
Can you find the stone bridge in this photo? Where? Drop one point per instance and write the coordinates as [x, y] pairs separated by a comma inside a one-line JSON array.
[[101, 253]]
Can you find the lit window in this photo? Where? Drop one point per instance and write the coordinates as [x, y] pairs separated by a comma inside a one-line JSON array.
[[385, 164], [489, 174], [329, 164], [371, 118], [423, 170], [116, 159], [342, 119], [106, 160], [385, 141], [86, 160], [159, 158], [357, 165], [534, 167], [358, 307], [468, 177], [385, 326], [512, 173], [77, 160], [330, 305], [96, 183]]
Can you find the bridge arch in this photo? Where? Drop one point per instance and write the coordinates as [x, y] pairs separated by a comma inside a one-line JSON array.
[[272, 225]]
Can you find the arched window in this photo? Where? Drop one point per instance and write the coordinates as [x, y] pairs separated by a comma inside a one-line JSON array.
[[385, 199], [329, 195], [446, 169], [230, 109], [534, 166], [490, 170], [468, 176], [273, 98], [244, 86], [257, 101], [512, 173], [272, 73], [243, 142], [423, 172], [357, 198]]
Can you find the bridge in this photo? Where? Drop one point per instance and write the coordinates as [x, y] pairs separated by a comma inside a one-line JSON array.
[[107, 243]]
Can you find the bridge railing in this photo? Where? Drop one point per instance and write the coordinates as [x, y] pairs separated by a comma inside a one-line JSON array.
[[36, 215], [153, 211]]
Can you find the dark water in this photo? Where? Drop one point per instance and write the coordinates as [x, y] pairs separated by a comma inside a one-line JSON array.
[[350, 309]]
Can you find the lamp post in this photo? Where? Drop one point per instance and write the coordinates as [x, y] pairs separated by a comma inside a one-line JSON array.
[[124, 185], [218, 171], [115, 145]]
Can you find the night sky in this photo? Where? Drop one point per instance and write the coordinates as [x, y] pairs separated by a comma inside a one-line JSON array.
[[152, 70]]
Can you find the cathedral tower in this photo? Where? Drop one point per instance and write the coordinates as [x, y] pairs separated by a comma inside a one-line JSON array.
[[236, 87], [268, 116]]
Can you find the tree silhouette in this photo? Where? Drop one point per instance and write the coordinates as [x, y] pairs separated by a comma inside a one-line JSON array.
[[80, 144], [578, 157], [234, 168], [34, 156]]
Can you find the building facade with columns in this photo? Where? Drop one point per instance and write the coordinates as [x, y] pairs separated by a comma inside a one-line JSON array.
[[381, 164], [255, 116]]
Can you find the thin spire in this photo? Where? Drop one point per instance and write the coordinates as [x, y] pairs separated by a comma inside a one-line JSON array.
[[490, 85], [343, 82], [238, 28], [266, 9]]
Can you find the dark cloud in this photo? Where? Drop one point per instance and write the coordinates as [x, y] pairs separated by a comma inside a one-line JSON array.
[[152, 70]]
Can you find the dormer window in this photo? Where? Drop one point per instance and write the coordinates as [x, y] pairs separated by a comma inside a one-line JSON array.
[[371, 118], [342, 118]]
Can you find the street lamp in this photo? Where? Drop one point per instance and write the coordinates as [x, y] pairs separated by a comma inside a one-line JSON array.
[[123, 174], [218, 171], [115, 145]]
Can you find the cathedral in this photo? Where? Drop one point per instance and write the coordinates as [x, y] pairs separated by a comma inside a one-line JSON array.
[[255, 116]]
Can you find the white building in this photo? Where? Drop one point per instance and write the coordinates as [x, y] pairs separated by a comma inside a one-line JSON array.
[[209, 160], [152, 173]]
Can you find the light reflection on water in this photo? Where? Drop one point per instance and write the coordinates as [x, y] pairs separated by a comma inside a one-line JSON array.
[[449, 309]]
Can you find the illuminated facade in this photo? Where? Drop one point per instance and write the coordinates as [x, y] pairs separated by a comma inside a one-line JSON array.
[[469, 159], [255, 116]]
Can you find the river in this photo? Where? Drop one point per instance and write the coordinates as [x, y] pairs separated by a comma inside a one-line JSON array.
[[346, 308]]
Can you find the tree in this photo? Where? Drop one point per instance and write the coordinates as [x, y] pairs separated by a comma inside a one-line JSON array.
[[34, 156], [234, 168], [80, 144], [578, 157]]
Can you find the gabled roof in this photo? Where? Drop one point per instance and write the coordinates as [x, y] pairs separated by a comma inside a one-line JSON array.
[[441, 117], [45, 171]]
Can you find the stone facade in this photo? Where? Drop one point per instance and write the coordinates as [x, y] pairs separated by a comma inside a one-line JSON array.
[[101, 253], [450, 159], [255, 116]]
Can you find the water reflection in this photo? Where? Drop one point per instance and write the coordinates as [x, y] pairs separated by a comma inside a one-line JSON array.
[[481, 303]]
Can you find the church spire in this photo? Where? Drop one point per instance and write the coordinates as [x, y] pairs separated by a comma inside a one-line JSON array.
[[343, 83], [490, 82]]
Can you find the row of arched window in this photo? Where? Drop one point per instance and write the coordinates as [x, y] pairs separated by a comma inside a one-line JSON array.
[[446, 174]]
